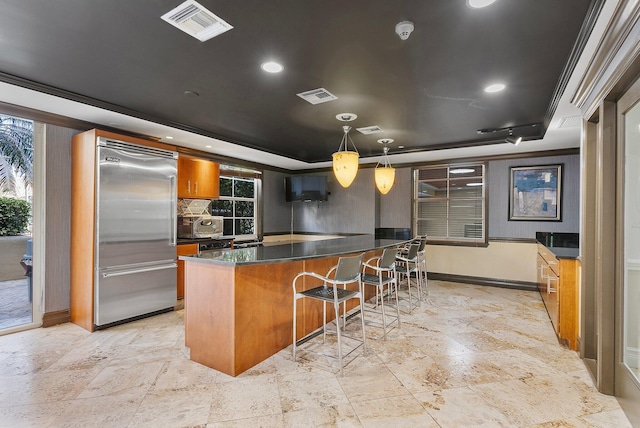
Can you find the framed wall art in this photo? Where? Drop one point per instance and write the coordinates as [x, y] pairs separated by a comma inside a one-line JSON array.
[[535, 193]]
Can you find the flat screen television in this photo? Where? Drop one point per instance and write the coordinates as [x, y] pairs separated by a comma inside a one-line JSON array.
[[306, 188]]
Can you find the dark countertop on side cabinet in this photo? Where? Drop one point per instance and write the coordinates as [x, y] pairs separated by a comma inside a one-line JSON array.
[[294, 251], [565, 253], [562, 245]]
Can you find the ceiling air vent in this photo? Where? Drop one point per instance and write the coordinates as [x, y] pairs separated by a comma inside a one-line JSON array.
[[317, 96], [195, 20], [570, 122], [367, 130]]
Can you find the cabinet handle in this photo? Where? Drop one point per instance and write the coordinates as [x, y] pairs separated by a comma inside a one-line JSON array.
[[196, 186], [188, 186], [542, 275], [549, 289]]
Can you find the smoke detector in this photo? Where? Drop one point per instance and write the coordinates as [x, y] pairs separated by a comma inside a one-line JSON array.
[[404, 29]]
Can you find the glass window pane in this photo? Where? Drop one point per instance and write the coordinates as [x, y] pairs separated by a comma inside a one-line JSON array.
[[435, 228], [243, 188], [226, 186], [450, 202], [244, 226], [465, 208], [432, 209], [465, 228], [631, 257], [222, 207], [227, 227], [432, 189], [432, 173], [465, 192], [244, 209], [422, 227]]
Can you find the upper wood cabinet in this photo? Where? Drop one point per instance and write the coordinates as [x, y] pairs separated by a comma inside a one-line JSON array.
[[198, 178]]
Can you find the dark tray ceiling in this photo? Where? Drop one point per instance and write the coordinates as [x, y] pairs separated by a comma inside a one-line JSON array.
[[425, 92]]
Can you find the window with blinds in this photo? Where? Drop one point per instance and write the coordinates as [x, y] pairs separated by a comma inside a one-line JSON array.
[[450, 203]]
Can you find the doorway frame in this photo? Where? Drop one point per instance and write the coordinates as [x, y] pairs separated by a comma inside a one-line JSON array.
[[627, 386], [38, 213]]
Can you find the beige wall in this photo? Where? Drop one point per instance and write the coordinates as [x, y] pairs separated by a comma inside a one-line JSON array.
[[513, 261]]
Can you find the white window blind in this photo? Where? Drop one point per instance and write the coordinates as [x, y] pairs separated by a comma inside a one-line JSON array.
[[450, 203]]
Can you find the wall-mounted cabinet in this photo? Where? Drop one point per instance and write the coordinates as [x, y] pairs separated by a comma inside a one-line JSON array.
[[198, 178], [558, 286]]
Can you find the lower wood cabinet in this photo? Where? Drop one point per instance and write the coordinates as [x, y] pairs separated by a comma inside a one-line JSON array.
[[183, 250], [558, 286]]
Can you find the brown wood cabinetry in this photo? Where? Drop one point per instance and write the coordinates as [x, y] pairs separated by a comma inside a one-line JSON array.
[[198, 178], [558, 286], [183, 250]]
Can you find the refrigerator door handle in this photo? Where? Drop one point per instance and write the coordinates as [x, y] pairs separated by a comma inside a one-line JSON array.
[[141, 270], [174, 213]]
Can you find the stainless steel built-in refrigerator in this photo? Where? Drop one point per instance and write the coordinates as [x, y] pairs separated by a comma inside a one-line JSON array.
[[135, 248]]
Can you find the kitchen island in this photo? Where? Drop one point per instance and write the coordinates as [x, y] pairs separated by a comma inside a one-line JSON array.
[[238, 303]]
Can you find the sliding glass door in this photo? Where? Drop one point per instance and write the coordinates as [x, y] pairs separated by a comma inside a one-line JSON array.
[[16, 223]]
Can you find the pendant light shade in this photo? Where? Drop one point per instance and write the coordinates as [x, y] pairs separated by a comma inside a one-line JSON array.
[[345, 162], [385, 177], [384, 174]]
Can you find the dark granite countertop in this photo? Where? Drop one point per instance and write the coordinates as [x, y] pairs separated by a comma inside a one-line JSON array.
[[562, 245], [294, 251], [565, 253]]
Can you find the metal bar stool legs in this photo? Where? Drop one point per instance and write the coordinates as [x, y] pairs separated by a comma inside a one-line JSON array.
[[333, 290], [406, 266], [384, 274]]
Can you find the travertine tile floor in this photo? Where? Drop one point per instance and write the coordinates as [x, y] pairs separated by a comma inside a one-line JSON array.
[[471, 356]]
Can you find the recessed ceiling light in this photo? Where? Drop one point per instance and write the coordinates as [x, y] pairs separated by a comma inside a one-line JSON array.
[[208, 147], [346, 117], [495, 87], [169, 137], [477, 4], [272, 67]]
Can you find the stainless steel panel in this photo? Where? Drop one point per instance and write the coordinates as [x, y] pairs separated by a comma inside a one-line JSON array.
[[136, 290], [136, 207]]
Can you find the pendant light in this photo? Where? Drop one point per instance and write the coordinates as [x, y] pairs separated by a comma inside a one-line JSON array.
[[345, 162], [384, 175]]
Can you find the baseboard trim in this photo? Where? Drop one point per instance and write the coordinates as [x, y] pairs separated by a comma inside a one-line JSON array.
[[491, 282], [50, 319]]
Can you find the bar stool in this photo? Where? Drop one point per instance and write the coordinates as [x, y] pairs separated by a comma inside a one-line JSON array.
[[406, 266], [422, 263], [384, 268], [347, 271], [422, 268]]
